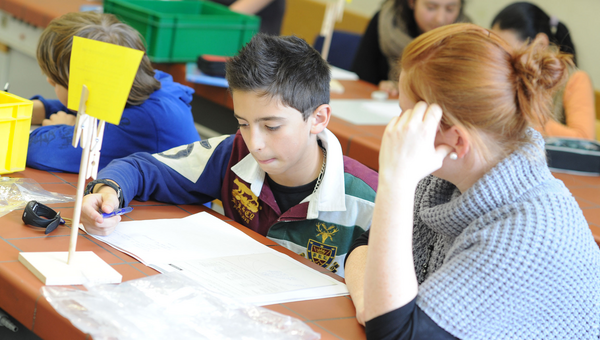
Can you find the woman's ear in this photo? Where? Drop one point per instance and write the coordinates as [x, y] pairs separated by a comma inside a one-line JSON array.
[[319, 119], [411, 4], [457, 138]]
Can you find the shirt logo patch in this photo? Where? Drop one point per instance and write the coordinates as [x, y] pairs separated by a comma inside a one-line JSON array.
[[326, 232], [244, 201], [320, 253]]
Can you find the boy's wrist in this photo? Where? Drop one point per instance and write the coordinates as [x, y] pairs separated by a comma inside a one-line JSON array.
[[96, 185], [38, 112]]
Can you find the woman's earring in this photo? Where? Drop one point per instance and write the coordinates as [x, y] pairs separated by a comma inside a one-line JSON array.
[[453, 156]]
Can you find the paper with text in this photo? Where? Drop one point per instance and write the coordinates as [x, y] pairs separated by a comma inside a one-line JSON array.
[[365, 111], [108, 71], [221, 258], [261, 278], [198, 236], [341, 74]]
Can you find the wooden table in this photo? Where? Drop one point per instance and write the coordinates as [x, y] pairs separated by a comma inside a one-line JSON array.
[[40, 13], [20, 294]]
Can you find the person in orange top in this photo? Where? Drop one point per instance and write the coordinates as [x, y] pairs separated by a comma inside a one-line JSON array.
[[574, 111]]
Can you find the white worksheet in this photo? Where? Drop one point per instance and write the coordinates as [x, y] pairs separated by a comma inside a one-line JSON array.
[[221, 258]]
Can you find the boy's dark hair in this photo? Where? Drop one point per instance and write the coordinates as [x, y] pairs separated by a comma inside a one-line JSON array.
[[285, 68], [407, 15], [527, 20], [56, 42]]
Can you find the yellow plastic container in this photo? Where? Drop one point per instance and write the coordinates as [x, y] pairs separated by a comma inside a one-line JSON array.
[[15, 123]]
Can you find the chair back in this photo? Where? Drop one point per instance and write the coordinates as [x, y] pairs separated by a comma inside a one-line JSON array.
[[342, 50]]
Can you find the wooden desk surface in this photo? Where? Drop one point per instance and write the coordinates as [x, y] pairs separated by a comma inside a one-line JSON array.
[[40, 12], [20, 291]]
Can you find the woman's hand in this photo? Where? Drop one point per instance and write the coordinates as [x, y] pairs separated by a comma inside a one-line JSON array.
[[60, 117], [408, 152], [389, 86]]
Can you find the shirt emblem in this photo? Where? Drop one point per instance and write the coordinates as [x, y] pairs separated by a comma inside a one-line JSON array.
[[244, 201], [319, 252]]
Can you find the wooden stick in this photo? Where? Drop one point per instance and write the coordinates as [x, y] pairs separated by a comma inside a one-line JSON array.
[[333, 12], [85, 141], [327, 28]]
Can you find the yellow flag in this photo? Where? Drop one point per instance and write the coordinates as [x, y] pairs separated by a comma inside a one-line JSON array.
[[108, 71]]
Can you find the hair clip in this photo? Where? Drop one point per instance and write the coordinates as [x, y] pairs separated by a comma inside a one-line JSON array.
[[553, 24]]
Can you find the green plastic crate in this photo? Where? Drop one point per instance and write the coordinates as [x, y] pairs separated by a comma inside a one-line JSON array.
[[180, 31]]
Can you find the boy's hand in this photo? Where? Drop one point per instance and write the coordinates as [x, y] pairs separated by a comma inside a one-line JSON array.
[[105, 200], [60, 117]]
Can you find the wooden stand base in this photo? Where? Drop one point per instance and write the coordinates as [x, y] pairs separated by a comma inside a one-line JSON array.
[[85, 267]]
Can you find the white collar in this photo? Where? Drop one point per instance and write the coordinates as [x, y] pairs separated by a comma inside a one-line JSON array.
[[329, 195]]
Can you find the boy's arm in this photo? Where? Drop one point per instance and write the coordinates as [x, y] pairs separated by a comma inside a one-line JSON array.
[[50, 149], [51, 106], [194, 175], [38, 113], [144, 176]]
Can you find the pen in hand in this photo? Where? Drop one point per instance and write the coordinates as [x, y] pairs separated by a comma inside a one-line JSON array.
[[117, 212]]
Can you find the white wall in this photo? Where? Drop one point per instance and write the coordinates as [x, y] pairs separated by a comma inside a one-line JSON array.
[[582, 17]]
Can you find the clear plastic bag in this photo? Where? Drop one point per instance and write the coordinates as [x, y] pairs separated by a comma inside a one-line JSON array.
[[16, 192], [169, 306]]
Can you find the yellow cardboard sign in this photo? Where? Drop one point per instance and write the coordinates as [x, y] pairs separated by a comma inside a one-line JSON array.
[[108, 71]]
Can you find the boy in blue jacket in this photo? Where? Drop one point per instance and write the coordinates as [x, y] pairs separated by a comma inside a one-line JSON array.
[[157, 116], [282, 174]]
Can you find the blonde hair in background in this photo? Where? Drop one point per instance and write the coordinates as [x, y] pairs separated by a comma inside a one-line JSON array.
[[483, 85], [56, 42]]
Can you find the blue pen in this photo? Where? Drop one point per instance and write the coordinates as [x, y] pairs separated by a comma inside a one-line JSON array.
[[117, 212]]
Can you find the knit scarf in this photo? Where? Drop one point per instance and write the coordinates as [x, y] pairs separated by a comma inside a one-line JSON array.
[[394, 37], [510, 258]]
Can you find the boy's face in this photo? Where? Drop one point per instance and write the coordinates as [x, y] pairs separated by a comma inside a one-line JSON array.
[[61, 92], [279, 139]]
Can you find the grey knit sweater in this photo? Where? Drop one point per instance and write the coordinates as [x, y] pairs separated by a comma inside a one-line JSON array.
[[510, 258]]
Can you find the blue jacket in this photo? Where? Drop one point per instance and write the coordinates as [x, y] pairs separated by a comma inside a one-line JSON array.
[[162, 122]]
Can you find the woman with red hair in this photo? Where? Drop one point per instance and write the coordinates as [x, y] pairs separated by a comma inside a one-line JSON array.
[[472, 237]]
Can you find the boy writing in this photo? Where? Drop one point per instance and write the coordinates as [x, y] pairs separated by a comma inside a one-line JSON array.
[[282, 174], [157, 116]]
